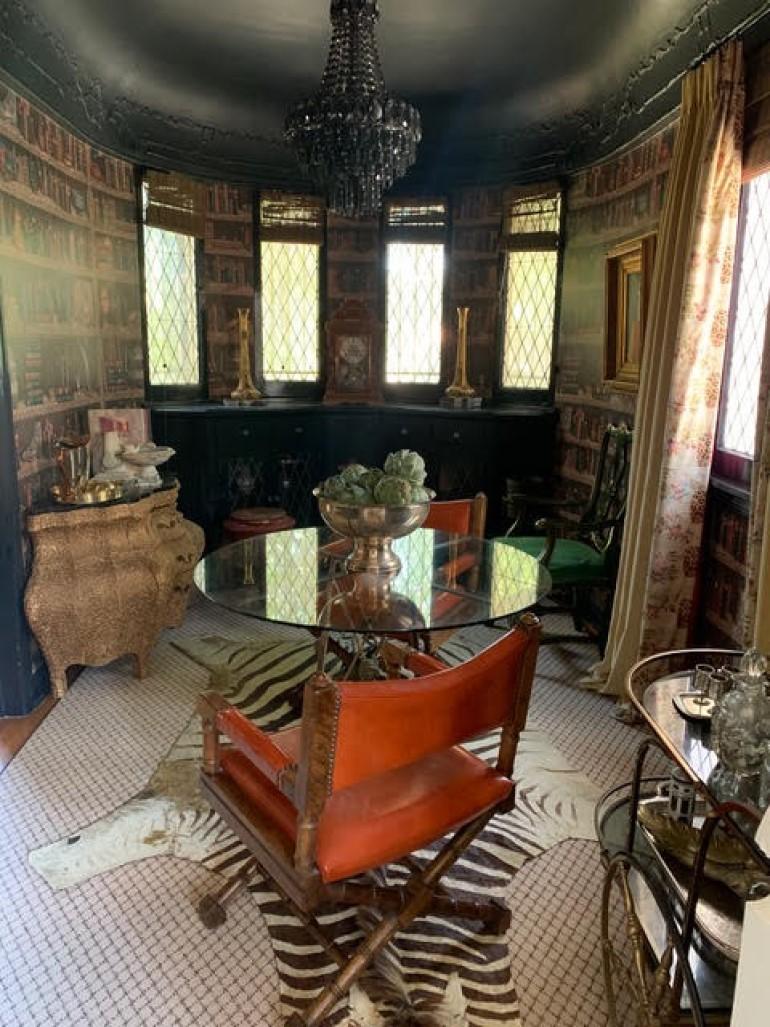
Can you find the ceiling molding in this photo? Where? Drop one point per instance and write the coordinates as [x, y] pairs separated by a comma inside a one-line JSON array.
[[35, 59]]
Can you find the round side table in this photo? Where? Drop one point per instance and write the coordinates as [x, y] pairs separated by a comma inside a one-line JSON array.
[[255, 520]]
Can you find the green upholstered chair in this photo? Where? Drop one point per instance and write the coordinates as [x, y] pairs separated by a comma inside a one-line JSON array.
[[581, 554]]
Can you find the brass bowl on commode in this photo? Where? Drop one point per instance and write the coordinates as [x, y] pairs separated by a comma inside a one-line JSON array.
[[372, 530], [93, 493]]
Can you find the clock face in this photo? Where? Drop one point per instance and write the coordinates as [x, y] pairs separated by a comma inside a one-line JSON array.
[[353, 349]]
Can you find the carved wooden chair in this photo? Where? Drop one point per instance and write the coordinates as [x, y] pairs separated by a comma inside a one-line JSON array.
[[374, 773], [582, 554]]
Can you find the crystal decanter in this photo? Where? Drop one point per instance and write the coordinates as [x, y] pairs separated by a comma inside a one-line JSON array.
[[739, 728]]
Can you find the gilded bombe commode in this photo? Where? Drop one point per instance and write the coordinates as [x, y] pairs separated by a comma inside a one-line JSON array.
[[107, 580]]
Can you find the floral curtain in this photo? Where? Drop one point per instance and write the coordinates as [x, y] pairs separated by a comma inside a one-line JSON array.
[[681, 373]]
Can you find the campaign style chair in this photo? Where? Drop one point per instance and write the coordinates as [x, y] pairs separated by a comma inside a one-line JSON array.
[[459, 516], [375, 772], [582, 555]]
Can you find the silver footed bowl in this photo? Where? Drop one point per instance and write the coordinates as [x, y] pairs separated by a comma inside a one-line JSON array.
[[372, 529]]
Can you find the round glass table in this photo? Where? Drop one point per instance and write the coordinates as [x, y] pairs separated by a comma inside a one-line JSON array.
[[299, 578]]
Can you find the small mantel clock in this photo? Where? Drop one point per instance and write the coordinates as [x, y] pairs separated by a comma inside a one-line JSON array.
[[352, 353]]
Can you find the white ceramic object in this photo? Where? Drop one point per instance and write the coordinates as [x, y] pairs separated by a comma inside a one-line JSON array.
[[148, 458]]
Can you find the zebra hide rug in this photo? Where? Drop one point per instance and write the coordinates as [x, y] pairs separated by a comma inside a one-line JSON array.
[[438, 972]]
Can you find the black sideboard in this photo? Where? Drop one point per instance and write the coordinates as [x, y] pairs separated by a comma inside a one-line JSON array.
[[276, 452]]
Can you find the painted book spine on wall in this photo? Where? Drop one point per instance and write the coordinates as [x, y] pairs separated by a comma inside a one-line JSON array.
[[71, 308], [70, 284]]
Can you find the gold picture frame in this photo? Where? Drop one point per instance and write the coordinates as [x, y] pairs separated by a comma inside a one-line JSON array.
[[628, 277]]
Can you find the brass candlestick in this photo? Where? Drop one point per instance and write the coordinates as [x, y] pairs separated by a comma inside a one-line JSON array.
[[246, 392], [461, 387]]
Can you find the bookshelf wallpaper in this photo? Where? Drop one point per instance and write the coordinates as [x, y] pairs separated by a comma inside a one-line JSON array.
[[607, 204], [723, 568], [228, 279], [69, 284], [474, 281]]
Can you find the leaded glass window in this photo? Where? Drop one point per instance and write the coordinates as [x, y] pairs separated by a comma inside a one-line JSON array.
[[415, 233], [738, 422], [291, 234], [532, 225], [171, 306], [415, 281], [290, 311], [530, 292]]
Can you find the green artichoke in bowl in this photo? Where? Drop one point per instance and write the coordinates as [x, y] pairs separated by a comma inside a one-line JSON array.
[[400, 484], [353, 474], [406, 464], [392, 491]]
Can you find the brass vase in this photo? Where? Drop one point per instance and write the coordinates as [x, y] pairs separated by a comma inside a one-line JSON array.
[[461, 387], [246, 392]]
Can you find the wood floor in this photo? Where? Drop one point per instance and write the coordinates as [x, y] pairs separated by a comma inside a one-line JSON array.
[[14, 731]]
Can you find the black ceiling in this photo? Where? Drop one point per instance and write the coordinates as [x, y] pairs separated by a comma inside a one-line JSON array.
[[516, 89]]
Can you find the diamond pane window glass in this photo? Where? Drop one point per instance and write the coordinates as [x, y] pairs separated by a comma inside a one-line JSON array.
[[510, 565], [416, 578], [291, 577], [530, 300], [290, 311], [415, 282], [170, 300], [749, 317]]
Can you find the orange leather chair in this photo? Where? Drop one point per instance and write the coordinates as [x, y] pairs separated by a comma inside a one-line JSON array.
[[374, 772], [459, 516]]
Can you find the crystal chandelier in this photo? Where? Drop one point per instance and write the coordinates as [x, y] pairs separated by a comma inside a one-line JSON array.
[[352, 137]]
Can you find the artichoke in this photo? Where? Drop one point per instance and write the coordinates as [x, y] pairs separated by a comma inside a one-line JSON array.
[[356, 495], [353, 473], [420, 494], [370, 479], [392, 491], [333, 487], [406, 464]]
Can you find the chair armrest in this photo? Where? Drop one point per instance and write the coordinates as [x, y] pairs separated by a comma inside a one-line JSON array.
[[555, 528], [528, 499], [399, 655], [519, 503], [257, 746], [561, 527], [423, 663]]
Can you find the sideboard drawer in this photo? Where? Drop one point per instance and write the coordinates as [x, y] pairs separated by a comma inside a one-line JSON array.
[[251, 435], [466, 432]]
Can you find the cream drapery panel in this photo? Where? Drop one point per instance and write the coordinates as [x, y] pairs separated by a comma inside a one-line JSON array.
[[681, 373]]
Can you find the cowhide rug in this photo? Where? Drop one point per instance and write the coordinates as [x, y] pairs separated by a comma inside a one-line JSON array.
[[438, 972]]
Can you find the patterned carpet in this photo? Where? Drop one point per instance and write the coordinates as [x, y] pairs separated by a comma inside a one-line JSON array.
[[124, 947]]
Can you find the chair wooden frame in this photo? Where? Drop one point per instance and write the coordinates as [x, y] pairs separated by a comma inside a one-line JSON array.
[[307, 784], [600, 525], [478, 512]]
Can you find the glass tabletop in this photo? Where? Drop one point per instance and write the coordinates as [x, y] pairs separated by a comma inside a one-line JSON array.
[[299, 578]]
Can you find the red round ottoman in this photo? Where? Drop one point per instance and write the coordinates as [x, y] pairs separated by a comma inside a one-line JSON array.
[[255, 520]]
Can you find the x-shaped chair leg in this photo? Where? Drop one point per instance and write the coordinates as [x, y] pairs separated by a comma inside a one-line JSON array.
[[421, 889]]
